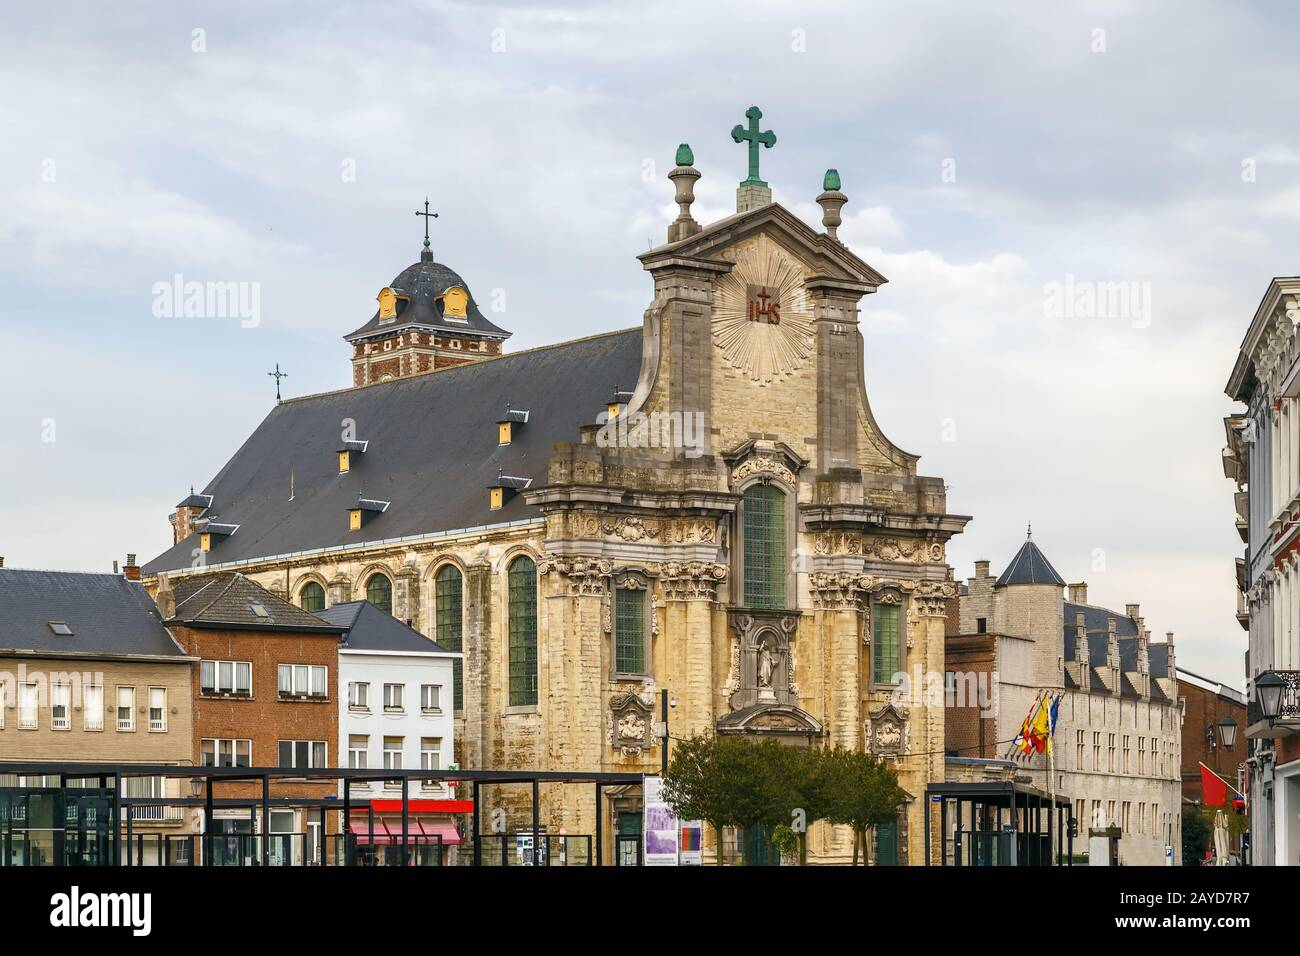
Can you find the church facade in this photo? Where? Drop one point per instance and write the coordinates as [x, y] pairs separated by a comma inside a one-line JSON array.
[[704, 504]]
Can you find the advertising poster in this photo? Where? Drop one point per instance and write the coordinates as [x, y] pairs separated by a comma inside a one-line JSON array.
[[660, 826], [690, 845]]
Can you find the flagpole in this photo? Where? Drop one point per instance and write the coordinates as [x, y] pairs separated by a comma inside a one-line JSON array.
[[1051, 784]]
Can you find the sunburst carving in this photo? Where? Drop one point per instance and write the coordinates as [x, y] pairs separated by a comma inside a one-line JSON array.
[[762, 351]]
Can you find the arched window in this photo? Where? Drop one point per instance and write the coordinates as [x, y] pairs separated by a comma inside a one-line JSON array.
[[379, 592], [630, 651], [522, 620], [448, 618], [763, 518], [312, 597]]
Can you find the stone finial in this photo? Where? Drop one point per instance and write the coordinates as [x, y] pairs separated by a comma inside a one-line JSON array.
[[832, 201], [683, 177], [165, 598]]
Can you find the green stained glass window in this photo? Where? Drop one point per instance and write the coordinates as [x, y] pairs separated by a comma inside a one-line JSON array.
[[764, 522], [885, 647], [522, 620], [379, 592], [448, 621], [313, 597], [629, 630]]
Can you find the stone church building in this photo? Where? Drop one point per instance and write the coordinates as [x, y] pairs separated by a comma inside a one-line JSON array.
[[704, 503]]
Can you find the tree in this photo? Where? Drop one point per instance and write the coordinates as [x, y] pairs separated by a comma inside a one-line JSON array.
[[863, 793], [1197, 832]]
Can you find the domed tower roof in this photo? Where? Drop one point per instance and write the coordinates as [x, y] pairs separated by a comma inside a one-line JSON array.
[[430, 295], [1029, 566]]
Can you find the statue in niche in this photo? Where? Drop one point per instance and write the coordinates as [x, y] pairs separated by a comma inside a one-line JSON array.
[[766, 671]]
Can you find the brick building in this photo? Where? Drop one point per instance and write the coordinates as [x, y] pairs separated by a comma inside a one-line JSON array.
[[265, 695], [1206, 704]]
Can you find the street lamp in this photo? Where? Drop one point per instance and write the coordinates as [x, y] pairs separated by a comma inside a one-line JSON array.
[[1268, 691], [1228, 731]]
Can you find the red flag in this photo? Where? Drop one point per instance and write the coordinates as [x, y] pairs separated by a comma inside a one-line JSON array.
[[1214, 787]]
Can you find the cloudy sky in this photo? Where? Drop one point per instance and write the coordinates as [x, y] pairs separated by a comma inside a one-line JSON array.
[[993, 153]]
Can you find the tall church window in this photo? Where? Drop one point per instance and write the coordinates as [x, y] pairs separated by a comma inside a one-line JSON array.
[[379, 592], [522, 622], [448, 621], [886, 648], [312, 597], [630, 652], [763, 518]]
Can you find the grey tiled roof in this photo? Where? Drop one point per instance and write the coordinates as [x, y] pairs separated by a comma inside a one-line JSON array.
[[1029, 566], [422, 282], [370, 629], [432, 451], [107, 614], [231, 598]]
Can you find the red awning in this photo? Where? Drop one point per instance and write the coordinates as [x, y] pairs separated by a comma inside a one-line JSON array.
[[389, 831], [422, 806]]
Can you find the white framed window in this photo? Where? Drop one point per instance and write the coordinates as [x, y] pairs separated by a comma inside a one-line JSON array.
[[431, 698], [60, 707], [393, 697], [92, 710], [430, 755], [302, 680], [153, 788], [226, 677], [358, 751], [27, 703], [358, 695], [393, 755], [223, 752], [157, 709], [126, 708], [303, 754]]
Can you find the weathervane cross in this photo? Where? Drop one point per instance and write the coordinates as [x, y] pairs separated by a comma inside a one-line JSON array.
[[740, 134], [427, 216], [277, 375]]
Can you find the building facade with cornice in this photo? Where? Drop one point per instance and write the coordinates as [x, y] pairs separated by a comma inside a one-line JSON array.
[[704, 504]]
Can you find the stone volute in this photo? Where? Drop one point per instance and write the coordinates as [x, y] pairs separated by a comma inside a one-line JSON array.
[[683, 177]]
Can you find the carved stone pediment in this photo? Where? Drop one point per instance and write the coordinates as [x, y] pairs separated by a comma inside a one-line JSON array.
[[765, 460], [782, 720]]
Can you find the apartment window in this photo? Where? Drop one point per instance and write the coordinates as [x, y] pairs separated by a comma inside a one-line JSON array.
[[1096, 750], [886, 646], [302, 754], [522, 626], [358, 695], [1142, 755], [302, 680], [92, 699], [449, 618], [430, 754], [151, 788], [157, 709], [226, 677], [1126, 819], [393, 695], [1142, 818], [1096, 812], [393, 759], [60, 706], [1079, 820], [1110, 813], [1110, 752], [1079, 748], [431, 698], [358, 751], [981, 625], [126, 708], [27, 703], [220, 752], [1128, 763], [630, 628], [763, 519]]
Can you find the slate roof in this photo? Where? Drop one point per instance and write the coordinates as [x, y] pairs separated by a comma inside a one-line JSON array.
[[422, 282], [231, 599], [432, 451], [1029, 566], [108, 615], [370, 629]]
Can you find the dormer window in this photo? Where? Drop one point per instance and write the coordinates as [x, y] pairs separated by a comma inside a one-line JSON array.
[[506, 487], [347, 451], [617, 403], [388, 299], [515, 418], [359, 513], [213, 532], [455, 303]]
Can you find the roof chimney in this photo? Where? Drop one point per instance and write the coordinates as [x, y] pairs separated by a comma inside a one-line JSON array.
[[131, 569], [1132, 610], [981, 569], [1079, 593]]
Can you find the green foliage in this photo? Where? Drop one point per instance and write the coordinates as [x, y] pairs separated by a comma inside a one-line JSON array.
[[1198, 831], [735, 781]]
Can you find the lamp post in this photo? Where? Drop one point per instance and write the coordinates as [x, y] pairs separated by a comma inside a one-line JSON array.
[[1268, 691], [1227, 731]]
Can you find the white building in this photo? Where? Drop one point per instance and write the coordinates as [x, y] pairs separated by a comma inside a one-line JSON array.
[[396, 714]]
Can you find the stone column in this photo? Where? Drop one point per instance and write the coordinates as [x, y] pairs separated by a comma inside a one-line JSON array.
[[340, 589], [690, 593], [479, 695], [925, 738]]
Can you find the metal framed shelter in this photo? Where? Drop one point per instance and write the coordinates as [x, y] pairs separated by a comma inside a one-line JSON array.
[[202, 781], [998, 823]]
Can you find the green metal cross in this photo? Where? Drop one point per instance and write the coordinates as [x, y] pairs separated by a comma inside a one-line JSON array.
[[768, 139]]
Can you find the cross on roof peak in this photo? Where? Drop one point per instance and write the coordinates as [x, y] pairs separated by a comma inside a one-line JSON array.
[[427, 216], [751, 134]]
